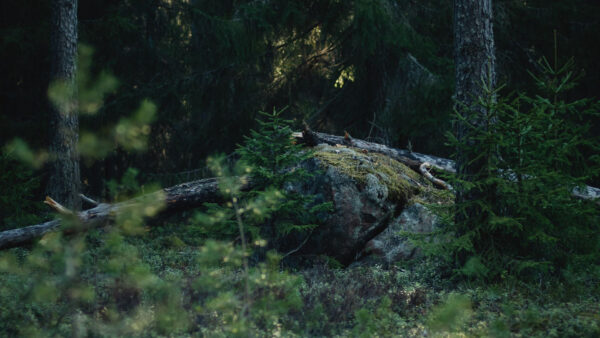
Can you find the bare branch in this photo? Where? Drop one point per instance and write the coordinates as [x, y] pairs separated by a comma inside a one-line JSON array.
[[424, 169], [56, 206], [89, 200]]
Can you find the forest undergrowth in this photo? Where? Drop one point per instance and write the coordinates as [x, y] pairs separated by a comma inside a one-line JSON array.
[[223, 270], [213, 272], [159, 284]]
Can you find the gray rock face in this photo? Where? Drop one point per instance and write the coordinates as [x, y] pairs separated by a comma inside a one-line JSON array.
[[390, 246], [369, 193]]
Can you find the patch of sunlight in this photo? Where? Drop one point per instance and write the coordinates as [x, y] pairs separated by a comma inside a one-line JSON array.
[[347, 75]]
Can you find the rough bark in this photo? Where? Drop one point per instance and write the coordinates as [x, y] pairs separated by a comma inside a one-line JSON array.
[[64, 179], [182, 196], [474, 62]]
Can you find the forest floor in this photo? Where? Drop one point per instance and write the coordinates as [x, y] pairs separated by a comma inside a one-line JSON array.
[[410, 299]]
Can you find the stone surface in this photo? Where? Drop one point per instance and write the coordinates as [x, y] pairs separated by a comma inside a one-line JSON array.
[[369, 192], [390, 246]]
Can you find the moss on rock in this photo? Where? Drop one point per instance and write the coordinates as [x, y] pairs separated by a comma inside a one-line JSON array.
[[402, 182], [405, 186], [431, 195]]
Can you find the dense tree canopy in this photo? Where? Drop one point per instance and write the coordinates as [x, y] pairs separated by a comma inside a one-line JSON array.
[[351, 168], [379, 69]]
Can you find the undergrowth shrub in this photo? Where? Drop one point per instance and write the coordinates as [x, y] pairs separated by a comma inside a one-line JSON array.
[[373, 300], [92, 283], [118, 281], [535, 151], [236, 298], [18, 185]]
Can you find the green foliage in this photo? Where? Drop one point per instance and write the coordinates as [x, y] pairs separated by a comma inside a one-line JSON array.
[[96, 286], [108, 283], [272, 152], [94, 283], [276, 162], [149, 286], [517, 308], [450, 315], [241, 300], [126, 187], [520, 217], [220, 220], [273, 208], [18, 184], [360, 301], [114, 282], [19, 150], [226, 311], [382, 322]]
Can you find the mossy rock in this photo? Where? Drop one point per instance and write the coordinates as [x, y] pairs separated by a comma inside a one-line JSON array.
[[404, 185], [368, 190]]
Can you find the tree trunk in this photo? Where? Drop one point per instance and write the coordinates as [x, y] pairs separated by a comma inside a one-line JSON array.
[[474, 61], [64, 179]]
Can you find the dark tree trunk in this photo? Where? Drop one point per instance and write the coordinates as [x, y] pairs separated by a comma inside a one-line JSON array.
[[64, 180], [474, 61]]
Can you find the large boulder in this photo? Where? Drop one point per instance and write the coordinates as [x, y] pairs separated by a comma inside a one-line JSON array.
[[391, 246], [370, 193]]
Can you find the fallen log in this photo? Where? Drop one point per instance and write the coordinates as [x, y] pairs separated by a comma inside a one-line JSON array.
[[182, 196], [195, 193], [409, 158]]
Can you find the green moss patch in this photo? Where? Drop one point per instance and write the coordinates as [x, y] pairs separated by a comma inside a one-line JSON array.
[[431, 195], [402, 182]]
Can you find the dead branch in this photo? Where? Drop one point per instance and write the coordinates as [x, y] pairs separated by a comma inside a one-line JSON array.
[[89, 200], [56, 206], [182, 196], [409, 158], [424, 169]]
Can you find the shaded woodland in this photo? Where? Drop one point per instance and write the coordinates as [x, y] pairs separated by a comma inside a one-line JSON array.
[[382, 71], [299, 168]]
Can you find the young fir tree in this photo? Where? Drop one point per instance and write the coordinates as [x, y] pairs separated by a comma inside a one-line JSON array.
[[276, 158], [536, 151], [271, 159]]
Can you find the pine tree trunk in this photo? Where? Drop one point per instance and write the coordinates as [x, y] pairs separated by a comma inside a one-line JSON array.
[[474, 61], [64, 180]]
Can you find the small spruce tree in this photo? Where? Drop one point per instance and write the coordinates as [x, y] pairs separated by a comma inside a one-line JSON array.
[[536, 151], [271, 160]]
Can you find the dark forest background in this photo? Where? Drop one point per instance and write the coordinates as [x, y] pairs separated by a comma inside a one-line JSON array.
[[513, 254], [379, 69]]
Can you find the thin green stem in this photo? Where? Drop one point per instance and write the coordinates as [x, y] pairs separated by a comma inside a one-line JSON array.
[[238, 215]]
